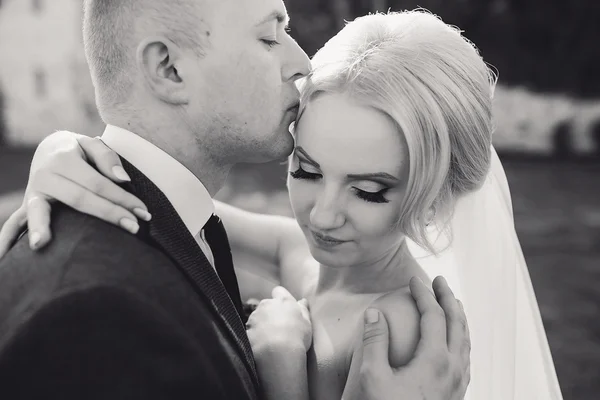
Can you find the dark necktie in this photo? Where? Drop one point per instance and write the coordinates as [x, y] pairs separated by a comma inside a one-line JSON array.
[[216, 237]]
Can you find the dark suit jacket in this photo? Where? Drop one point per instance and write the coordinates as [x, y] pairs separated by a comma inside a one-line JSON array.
[[103, 314]]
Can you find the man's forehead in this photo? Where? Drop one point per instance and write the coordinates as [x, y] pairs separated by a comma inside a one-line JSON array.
[[271, 10], [275, 15]]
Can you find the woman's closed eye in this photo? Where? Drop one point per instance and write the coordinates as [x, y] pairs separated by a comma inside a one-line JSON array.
[[372, 197], [300, 173], [368, 196], [270, 42]]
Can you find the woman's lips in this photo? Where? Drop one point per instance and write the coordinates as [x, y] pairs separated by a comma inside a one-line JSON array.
[[326, 241]]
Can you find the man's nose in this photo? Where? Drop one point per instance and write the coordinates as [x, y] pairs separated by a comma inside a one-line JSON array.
[[298, 62]]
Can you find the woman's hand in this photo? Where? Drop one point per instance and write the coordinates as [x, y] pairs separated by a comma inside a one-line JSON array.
[[280, 333], [280, 326], [61, 171]]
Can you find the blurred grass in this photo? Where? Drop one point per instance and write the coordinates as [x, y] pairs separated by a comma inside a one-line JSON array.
[[557, 214], [14, 168]]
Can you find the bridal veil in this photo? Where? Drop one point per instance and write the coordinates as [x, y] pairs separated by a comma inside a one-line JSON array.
[[485, 267]]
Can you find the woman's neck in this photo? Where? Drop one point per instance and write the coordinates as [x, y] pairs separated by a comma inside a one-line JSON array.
[[391, 271]]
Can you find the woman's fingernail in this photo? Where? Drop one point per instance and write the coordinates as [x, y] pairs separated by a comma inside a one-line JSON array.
[[371, 316], [142, 214], [34, 240], [129, 225], [120, 173]]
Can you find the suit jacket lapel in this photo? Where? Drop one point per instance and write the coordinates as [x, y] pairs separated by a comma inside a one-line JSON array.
[[168, 230]]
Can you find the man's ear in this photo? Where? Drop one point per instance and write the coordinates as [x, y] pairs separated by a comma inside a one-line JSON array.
[[157, 57]]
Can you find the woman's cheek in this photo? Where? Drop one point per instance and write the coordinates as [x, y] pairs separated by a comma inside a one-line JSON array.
[[374, 220], [300, 198]]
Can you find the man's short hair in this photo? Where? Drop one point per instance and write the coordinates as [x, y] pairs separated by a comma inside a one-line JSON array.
[[112, 30]]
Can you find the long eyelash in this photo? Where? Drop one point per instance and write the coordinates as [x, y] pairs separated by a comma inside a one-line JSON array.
[[270, 43], [373, 197], [370, 197], [302, 174]]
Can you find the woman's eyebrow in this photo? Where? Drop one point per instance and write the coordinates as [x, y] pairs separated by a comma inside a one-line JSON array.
[[308, 158], [373, 175]]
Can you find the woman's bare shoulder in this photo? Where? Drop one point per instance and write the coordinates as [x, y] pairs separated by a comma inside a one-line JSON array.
[[403, 317]]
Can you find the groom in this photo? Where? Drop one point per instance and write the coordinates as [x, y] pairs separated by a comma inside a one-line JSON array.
[[188, 88]]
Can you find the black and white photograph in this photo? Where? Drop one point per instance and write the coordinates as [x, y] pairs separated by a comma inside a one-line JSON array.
[[300, 199]]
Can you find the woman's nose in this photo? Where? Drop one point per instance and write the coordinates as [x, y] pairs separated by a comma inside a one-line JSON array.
[[327, 213]]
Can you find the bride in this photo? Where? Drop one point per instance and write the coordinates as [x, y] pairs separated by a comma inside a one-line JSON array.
[[393, 176]]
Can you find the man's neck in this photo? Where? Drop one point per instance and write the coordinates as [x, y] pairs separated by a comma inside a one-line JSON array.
[[184, 147]]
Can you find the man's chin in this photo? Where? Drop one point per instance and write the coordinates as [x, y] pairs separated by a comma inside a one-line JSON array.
[[274, 150]]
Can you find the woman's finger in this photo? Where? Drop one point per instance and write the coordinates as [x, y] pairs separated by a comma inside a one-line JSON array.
[[38, 220], [104, 158], [303, 303], [87, 202], [279, 292], [71, 165], [87, 177], [11, 229]]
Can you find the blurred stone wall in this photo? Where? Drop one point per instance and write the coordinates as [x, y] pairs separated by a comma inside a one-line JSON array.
[[43, 72]]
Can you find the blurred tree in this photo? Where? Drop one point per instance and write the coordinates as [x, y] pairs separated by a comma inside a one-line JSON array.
[[595, 132], [562, 140], [545, 45], [3, 128], [342, 11], [379, 5]]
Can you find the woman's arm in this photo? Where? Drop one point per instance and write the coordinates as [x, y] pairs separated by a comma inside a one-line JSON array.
[[60, 171], [284, 376], [275, 242]]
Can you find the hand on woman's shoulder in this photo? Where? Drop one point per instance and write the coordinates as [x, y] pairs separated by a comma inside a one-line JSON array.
[[403, 319]]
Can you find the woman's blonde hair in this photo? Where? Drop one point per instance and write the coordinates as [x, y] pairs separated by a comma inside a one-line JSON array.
[[433, 83]]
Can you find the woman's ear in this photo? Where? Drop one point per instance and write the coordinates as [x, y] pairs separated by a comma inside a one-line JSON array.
[[158, 58]]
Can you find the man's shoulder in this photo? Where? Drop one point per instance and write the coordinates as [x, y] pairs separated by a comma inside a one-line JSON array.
[[93, 250], [75, 230], [108, 340], [84, 252], [78, 238]]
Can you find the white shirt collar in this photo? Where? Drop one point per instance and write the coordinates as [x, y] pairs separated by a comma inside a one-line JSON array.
[[186, 193]]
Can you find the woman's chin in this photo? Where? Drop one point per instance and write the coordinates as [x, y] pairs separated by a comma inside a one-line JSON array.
[[332, 259]]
